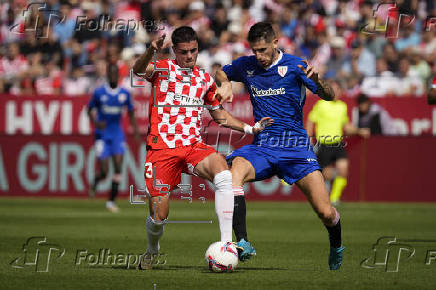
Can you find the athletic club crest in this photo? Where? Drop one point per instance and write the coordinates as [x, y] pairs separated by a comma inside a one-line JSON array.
[[122, 98], [282, 70]]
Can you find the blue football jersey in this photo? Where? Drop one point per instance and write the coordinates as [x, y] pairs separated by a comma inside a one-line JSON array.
[[109, 104], [278, 92]]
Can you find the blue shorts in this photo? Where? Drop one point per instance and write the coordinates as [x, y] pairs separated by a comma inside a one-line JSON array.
[[289, 164], [105, 148]]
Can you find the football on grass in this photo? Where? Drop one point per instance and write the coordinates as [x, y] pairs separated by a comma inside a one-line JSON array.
[[222, 257]]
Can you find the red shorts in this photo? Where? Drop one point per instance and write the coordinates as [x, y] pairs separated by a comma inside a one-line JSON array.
[[168, 165]]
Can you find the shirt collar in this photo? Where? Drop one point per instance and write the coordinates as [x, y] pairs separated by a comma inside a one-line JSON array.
[[111, 90], [277, 60]]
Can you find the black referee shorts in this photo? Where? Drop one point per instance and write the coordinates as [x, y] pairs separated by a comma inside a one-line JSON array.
[[327, 154]]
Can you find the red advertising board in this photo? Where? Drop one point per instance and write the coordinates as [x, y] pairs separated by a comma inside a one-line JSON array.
[[46, 150], [382, 169], [67, 115]]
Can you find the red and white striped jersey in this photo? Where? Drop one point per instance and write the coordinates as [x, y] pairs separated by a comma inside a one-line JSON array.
[[178, 99]]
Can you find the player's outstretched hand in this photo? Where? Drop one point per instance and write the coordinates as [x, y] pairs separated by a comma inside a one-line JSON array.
[[158, 43], [310, 72], [262, 124], [224, 93]]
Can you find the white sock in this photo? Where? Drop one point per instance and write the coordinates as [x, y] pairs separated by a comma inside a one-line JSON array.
[[224, 203], [154, 232]]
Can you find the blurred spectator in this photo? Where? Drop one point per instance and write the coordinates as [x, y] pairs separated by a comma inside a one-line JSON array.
[[418, 66], [409, 82], [338, 57], [383, 83], [408, 38], [391, 57], [64, 31], [361, 61], [13, 67], [326, 32], [374, 117], [427, 47], [50, 81], [77, 83]]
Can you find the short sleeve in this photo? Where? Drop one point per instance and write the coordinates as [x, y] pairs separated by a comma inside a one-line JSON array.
[[433, 86], [209, 100], [314, 114], [94, 102], [234, 70], [304, 79]]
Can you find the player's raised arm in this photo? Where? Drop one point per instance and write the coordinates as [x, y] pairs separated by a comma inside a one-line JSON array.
[[224, 91], [142, 66], [324, 90], [225, 119]]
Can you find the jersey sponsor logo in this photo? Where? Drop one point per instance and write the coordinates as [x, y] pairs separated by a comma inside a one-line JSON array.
[[311, 160], [112, 110], [269, 92], [103, 98], [187, 100], [250, 73], [282, 70]]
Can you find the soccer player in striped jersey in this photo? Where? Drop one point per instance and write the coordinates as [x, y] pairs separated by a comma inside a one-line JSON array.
[[174, 145], [277, 83]]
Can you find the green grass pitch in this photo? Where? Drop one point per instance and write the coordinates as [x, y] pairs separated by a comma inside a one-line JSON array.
[[291, 244]]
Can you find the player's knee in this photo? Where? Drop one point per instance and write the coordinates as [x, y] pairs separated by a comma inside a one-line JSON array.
[[223, 180], [116, 177], [237, 178], [327, 215], [159, 216]]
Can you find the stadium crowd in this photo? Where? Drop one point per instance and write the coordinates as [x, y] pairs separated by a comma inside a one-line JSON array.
[[345, 40]]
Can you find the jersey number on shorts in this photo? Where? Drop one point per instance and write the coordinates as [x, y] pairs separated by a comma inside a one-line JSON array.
[[148, 170]]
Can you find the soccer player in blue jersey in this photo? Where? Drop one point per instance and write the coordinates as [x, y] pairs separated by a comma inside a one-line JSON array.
[[277, 84], [105, 110]]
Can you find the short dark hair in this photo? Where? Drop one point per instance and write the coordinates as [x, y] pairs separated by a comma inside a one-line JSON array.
[[362, 98], [261, 31], [183, 34]]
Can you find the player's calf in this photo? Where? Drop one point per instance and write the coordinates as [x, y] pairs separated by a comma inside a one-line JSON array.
[[224, 203]]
